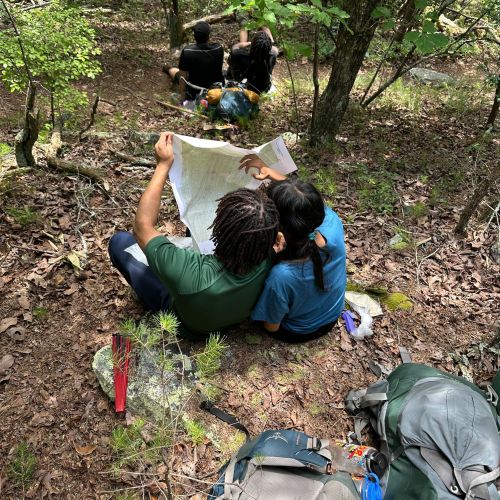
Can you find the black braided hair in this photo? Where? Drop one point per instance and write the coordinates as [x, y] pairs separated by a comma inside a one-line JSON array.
[[244, 230], [260, 50], [301, 209]]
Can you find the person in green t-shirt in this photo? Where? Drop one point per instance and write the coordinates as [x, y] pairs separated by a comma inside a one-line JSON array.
[[208, 292]]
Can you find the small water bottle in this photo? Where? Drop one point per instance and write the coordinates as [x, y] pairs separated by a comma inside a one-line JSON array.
[[368, 458], [358, 460]]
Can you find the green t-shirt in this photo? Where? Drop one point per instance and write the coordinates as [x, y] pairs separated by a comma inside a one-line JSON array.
[[207, 297]]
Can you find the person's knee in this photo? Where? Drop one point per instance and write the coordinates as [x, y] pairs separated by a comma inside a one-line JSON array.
[[118, 243]]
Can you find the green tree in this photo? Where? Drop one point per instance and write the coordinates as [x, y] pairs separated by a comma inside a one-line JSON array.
[[60, 48]]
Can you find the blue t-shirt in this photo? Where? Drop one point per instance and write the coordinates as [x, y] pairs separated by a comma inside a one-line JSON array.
[[291, 296]]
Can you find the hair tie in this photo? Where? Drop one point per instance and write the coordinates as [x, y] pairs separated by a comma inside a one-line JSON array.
[[312, 236]]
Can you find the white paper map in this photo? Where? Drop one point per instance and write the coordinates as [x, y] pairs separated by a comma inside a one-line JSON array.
[[204, 170]]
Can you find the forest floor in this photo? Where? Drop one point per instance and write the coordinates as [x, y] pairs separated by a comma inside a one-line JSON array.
[[405, 166]]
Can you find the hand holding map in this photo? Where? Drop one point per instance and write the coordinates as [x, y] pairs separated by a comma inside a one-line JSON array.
[[204, 170]]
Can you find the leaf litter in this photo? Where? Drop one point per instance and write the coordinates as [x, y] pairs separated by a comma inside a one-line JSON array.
[[51, 398]]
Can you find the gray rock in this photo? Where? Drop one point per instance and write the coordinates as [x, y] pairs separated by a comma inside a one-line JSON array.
[[159, 384], [431, 77], [397, 242], [143, 137]]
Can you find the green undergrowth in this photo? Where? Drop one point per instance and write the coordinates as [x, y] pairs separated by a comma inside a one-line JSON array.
[[25, 216], [392, 300], [376, 190], [5, 149], [144, 445], [23, 465]]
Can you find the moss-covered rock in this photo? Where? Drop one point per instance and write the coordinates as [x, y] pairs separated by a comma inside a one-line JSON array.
[[154, 387], [397, 300]]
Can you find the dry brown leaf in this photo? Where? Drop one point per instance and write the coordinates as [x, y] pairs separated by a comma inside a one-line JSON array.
[[7, 323], [24, 301], [85, 450], [345, 341], [6, 362], [42, 419], [47, 488], [71, 290]]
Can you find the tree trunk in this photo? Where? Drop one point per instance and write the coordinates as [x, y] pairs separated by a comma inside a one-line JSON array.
[[176, 29], [490, 123], [26, 138], [352, 45], [480, 192]]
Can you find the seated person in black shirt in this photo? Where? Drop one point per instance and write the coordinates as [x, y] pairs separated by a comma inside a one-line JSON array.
[[200, 64], [254, 60]]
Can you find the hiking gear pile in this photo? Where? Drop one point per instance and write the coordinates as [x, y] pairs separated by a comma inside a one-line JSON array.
[[439, 432]]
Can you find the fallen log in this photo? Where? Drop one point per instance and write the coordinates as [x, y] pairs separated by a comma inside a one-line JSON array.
[[167, 105], [14, 172], [133, 159], [52, 151], [211, 19]]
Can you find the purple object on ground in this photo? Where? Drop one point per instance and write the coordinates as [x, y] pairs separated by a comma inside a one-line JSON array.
[[348, 318]]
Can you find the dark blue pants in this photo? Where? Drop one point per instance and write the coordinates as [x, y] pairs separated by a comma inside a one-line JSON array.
[[153, 294]]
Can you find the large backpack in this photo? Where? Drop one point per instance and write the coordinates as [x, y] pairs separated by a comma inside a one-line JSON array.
[[282, 465], [232, 103], [439, 432]]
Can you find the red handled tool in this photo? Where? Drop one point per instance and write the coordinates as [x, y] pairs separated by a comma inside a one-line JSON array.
[[121, 354]]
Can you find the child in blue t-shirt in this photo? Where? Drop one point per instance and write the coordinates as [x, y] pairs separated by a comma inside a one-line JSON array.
[[304, 292]]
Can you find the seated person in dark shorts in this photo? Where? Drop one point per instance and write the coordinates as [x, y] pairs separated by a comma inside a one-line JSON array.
[[200, 63], [209, 293], [254, 60]]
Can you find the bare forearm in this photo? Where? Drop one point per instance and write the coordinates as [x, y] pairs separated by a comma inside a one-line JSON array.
[[149, 205], [241, 45]]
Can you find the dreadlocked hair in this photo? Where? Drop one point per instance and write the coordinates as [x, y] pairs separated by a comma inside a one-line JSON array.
[[260, 50], [244, 230], [301, 209]]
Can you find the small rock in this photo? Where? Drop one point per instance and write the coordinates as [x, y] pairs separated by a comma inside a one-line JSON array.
[[397, 242], [6, 362], [431, 77], [143, 137], [253, 338]]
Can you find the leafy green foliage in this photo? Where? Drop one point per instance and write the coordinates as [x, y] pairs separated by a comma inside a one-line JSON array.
[[40, 313], [195, 431], [4, 149], [24, 216], [23, 465], [148, 334], [376, 191], [210, 359], [416, 210], [60, 48], [325, 182], [283, 15], [429, 39], [127, 442]]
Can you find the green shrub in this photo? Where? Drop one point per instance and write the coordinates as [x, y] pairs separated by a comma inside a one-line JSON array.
[[377, 192], [22, 467]]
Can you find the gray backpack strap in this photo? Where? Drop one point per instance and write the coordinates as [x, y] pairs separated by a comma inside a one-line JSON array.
[[491, 396], [230, 489], [442, 468], [489, 477]]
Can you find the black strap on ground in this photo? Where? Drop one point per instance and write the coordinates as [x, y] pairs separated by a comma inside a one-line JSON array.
[[225, 417]]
